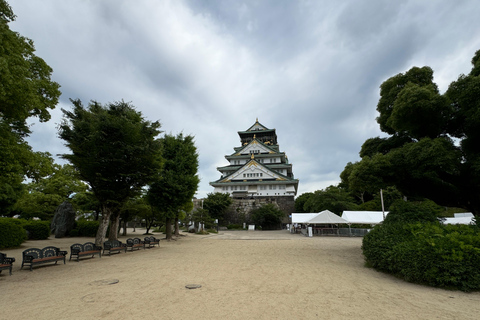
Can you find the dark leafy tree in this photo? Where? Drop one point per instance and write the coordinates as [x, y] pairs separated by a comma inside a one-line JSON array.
[[301, 200], [433, 150], [26, 90], [217, 204], [268, 216], [115, 150], [201, 217], [43, 196], [176, 184], [332, 198]]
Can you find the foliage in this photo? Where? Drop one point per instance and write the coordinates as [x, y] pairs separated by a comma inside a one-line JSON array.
[[114, 149], [433, 147], [42, 197], [332, 198], [26, 90], [301, 200], [37, 230], [428, 253], [11, 234], [84, 228], [268, 216], [408, 212], [176, 184], [234, 227], [217, 204], [202, 216]]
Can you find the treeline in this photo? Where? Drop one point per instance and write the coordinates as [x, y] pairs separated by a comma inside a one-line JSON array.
[[119, 165]]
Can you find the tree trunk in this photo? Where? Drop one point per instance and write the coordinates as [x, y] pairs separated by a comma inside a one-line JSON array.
[[113, 234], [102, 228], [177, 229], [168, 228]]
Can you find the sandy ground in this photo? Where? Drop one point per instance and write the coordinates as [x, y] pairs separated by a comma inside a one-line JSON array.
[[243, 275]]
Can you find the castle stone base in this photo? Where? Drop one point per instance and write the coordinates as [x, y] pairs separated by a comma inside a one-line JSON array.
[[239, 211]]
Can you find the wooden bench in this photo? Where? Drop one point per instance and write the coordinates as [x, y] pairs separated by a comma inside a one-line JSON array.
[[135, 244], [35, 256], [78, 250], [113, 246], [151, 241], [6, 262]]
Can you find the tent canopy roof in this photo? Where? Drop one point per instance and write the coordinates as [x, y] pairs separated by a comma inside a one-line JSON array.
[[326, 217], [302, 217], [364, 217]]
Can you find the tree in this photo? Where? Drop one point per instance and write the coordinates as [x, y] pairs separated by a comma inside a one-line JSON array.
[[268, 216], [43, 196], [433, 150], [133, 208], [26, 90], [176, 183], [301, 200], [332, 198], [201, 217], [217, 204], [115, 150]]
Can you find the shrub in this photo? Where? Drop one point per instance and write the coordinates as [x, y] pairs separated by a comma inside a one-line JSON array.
[[268, 217], [37, 230], [11, 233], [406, 211], [234, 226], [85, 228], [378, 244], [427, 253]]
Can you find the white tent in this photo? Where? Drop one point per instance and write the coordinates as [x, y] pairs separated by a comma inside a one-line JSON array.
[[302, 217], [460, 218], [363, 217], [326, 217]]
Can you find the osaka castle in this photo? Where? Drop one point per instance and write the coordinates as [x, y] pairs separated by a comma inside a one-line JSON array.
[[257, 168]]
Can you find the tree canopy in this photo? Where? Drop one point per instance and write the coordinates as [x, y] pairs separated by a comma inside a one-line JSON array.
[[176, 183], [217, 204], [114, 149], [26, 90], [433, 147]]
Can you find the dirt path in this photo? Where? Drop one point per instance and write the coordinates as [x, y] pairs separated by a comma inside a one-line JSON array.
[[243, 275]]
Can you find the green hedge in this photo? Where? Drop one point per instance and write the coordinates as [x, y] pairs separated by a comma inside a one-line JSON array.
[[11, 233], [446, 256], [37, 230], [85, 228]]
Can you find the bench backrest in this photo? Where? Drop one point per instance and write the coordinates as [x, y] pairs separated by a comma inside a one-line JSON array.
[[87, 246], [133, 241], [37, 253], [151, 238], [112, 244], [2, 257]]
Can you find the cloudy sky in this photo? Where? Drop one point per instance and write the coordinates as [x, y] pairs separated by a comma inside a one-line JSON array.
[[309, 69]]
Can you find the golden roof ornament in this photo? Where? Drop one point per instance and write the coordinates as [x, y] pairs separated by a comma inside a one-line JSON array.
[[252, 157]]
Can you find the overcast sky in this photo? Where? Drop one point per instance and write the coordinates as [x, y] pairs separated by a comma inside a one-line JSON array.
[[309, 69]]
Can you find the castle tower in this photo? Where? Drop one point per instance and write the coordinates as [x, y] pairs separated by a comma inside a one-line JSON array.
[[257, 169]]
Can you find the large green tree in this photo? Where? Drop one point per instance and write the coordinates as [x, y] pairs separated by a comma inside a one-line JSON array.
[[433, 147], [115, 150], [26, 90], [44, 195], [333, 198], [217, 204], [176, 184]]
